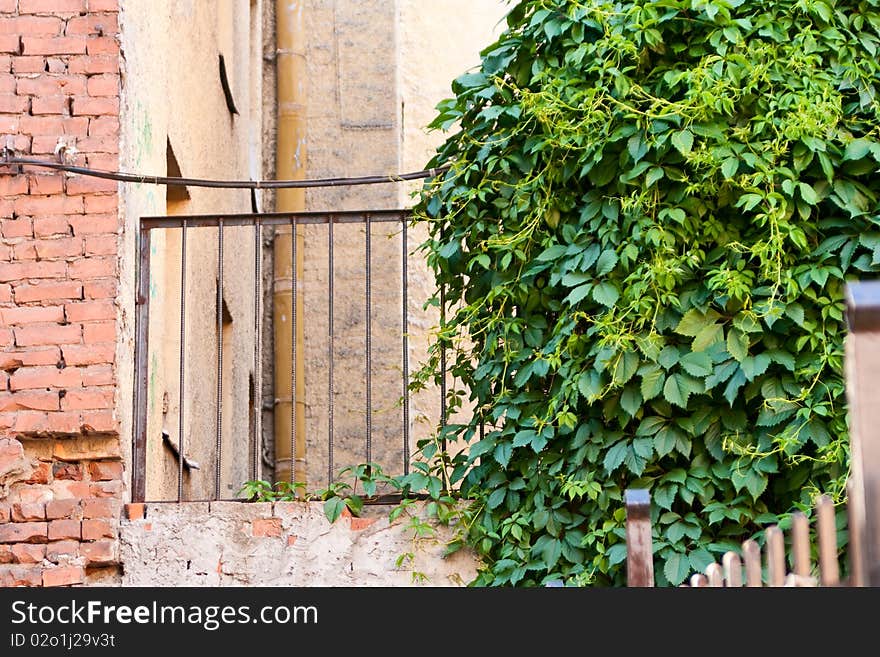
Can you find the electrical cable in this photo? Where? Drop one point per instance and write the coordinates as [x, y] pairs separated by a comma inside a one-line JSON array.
[[225, 184]]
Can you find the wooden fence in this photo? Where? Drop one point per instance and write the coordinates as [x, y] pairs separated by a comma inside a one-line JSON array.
[[775, 567]]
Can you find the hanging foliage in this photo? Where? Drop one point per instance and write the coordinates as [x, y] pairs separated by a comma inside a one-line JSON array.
[[643, 239]]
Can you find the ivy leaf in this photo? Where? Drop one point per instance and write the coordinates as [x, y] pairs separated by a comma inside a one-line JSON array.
[[496, 498], [857, 149], [678, 388], [699, 559], [737, 344], [755, 366], [631, 400], [756, 484], [606, 262], [502, 453], [333, 508], [551, 553], [606, 294], [693, 321], [524, 437], [652, 381], [665, 440], [578, 294], [625, 367], [708, 336], [614, 456], [634, 463], [668, 357], [677, 568], [664, 496], [736, 382], [650, 425], [643, 447], [683, 140], [697, 363], [729, 167], [590, 385]]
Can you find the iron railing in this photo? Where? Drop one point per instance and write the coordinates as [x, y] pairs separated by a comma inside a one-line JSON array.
[[188, 228]]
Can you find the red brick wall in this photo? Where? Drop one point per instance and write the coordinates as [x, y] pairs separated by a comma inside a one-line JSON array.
[[61, 475]]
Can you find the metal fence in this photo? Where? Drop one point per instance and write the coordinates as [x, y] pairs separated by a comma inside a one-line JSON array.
[[192, 229]]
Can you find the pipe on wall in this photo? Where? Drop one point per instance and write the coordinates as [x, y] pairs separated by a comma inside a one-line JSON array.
[[290, 164]]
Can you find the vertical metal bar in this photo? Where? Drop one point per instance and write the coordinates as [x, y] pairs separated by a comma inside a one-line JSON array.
[[258, 351], [368, 365], [330, 336], [218, 462], [293, 318], [142, 329], [181, 440], [404, 268]]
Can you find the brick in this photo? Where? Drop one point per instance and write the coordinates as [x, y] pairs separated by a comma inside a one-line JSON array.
[[54, 205], [57, 64], [5, 62], [87, 399], [49, 291], [97, 375], [93, 224], [24, 532], [103, 5], [101, 245], [90, 311], [10, 43], [92, 267], [65, 422], [76, 126], [114, 489], [96, 63], [62, 551], [73, 45], [105, 45], [90, 448], [49, 105], [104, 126], [29, 400], [41, 125], [359, 524], [270, 527], [93, 25], [5, 513], [12, 457], [7, 82], [51, 226], [108, 144], [34, 64], [59, 248], [291, 540], [63, 576], [31, 314], [31, 25], [46, 184], [95, 106], [99, 332], [47, 334], [9, 125], [15, 271], [91, 354], [51, 85], [51, 6], [6, 555], [34, 494], [68, 471], [66, 489], [101, 203], [16, 228], [31, 422], [6, 295], [88, 185], [104, 84], [135, 511], [101, 508], [12, 104], [13, 185], [28, 512], [45, 377], [63, 528], [102, 160], [20, 575], [93, 530], [105, 470], [29, 553], [24, 251], [56, 509], [40, 475], [100, 552]]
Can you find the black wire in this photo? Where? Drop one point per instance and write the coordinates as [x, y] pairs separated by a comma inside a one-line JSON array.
[[226, 184]]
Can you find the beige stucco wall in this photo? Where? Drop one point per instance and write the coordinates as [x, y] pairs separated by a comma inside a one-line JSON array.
[[172, 91]]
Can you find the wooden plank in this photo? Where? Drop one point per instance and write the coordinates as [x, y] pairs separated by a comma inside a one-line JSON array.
[[639, 550], [698, 580], [800, 544], [752, 556], [826, 537], [775, 550], [732, 569], [714, 575], [856, 526]]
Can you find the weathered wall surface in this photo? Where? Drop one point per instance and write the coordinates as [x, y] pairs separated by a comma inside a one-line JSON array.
[[172, 94], [281, 544], [60, 461]]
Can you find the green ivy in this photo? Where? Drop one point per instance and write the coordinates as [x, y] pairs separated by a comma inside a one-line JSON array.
[[642, 238]]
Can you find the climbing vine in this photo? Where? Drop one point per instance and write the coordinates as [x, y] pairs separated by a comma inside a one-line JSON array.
[[650, 212]]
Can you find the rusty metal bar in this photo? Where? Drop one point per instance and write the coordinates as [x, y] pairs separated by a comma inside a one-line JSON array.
[[330, 337], [218, 457], [271, 219], [404, 268], [141, 375], [258, 355], [368, 365], [181, 441]]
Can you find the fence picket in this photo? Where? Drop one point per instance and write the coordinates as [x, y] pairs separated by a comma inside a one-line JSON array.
[[775, 550], [714, 575], [800, 544], [732, 569], [826, 535], [752, 555], [699, 580]]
